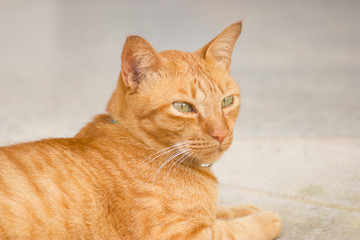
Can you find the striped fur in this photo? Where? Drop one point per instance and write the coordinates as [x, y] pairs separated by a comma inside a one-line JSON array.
[[141, 178]]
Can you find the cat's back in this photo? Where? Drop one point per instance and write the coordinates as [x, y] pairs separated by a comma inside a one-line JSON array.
[[53, 159], [45, 189]]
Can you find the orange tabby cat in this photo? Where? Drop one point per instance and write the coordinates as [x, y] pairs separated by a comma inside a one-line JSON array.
[[138, 172]]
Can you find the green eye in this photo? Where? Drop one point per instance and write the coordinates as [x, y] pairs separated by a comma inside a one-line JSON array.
[[183, 107], [227, 101]]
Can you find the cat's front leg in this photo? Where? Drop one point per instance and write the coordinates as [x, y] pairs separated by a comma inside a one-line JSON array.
[[264, 225], [235, 211]]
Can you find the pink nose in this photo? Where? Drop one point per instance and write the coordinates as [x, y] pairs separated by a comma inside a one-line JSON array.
[[220, 135]]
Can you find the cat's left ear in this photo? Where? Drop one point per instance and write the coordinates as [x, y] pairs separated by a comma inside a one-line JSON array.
[[138, 59], [220, 48]]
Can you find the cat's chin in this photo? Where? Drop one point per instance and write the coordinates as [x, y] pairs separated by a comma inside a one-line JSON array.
[[210, 158]]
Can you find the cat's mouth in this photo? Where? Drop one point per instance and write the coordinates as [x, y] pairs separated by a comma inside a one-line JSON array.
[[199, 150], [208, 148]]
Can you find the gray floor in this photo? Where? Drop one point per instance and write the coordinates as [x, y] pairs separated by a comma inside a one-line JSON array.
[[297, 147]]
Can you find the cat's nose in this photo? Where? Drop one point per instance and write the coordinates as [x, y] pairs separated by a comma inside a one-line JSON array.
[[220, 134]]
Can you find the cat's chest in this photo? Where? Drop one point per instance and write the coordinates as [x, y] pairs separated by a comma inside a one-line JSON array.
[[155, 182], [190, 188]]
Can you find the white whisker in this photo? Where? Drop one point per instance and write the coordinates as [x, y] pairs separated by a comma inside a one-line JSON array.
[[163, 152], [168, 160], [180, 160]]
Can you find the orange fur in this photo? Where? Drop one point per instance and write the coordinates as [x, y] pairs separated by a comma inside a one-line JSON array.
[[143, 177]]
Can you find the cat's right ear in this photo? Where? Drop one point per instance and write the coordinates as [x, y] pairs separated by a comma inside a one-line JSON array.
[[220, 49], [138, 58]]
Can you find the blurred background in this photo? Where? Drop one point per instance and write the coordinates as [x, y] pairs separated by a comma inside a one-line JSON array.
[[297, 62], [297, 145]]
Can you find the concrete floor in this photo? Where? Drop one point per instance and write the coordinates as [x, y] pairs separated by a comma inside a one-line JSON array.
[[297, 146]]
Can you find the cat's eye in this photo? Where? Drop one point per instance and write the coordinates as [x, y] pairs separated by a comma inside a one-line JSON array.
[[227, 101], [183, 107]]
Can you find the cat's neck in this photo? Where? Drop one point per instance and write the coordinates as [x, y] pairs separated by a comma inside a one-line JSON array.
[[103, 126]]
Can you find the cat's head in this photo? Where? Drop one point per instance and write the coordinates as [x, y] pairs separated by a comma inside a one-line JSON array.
[[181, 99]]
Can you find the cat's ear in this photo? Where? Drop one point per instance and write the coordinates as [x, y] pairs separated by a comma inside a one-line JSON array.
[[138, 58], [220, 48]]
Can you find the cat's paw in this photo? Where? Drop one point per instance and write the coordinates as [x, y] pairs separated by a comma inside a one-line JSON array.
[[236, 211], [244, 210], [270, 224]]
